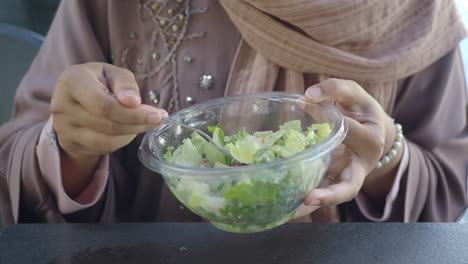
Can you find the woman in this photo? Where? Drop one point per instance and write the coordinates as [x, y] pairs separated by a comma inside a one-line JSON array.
[[69, 152]]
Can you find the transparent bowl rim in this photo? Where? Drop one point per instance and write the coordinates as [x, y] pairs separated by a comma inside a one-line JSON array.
[[327, 145]]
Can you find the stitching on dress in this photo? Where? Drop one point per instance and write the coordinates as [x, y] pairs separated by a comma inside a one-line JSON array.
[[169, 30]]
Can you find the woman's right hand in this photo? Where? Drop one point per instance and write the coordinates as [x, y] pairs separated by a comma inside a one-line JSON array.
[[96, 110]]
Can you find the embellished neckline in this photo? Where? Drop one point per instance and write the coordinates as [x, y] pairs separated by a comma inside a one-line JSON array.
[[169, 20]]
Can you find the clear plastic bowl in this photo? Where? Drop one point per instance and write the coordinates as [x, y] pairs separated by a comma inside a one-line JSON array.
[[254, 198]]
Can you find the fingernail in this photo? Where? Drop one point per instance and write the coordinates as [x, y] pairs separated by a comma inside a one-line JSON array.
[[314, 92], [130, 93], [316, 202], [164, 113], [154, 119]]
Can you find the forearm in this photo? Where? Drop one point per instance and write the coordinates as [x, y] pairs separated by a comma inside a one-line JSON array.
[[380, 181], [431, 106], [435, 184], [19, 165]]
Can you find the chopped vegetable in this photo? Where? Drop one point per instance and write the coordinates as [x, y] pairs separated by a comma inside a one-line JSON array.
[[261, 147], [248, 202]]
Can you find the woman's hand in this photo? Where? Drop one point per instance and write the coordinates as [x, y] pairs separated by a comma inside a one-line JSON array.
[[370, 134], [96, 110]]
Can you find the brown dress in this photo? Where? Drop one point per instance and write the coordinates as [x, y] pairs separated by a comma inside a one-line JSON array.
[[431, 106]]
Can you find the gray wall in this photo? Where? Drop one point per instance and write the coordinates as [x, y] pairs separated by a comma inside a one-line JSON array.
[[35, 15]]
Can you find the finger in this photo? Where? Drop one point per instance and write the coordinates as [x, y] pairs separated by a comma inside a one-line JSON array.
[[370, 136], [354, 100], [79, 116], [304, 210], [101, 104], [352, 178], [327, 181], [121, 82], [83, 141], [363, 115], [85, 89], [359, 135], [315, 111]]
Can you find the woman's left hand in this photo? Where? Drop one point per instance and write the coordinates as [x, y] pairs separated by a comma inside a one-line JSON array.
[[370, 133]]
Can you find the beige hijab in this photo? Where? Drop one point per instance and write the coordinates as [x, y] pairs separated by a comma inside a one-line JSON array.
[[375, 43]]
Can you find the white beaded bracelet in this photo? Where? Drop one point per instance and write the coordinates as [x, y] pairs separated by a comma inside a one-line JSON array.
[[396, 146]]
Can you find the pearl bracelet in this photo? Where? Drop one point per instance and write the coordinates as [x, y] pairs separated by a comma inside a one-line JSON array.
[[396, 146]]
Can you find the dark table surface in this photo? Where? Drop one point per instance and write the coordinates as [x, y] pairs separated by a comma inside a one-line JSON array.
[[202, 243]]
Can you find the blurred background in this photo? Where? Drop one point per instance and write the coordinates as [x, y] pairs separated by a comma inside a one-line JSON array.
[[34, 15], [22, 25], [463, 7]]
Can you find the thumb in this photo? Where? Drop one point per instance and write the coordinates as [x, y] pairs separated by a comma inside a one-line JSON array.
[[122, 84]]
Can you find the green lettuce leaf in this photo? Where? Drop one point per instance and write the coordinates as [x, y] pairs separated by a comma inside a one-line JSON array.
[[273, 138], [311, 138], [218, 136], [207, 150], [294, 125], [241, 134], [244, 148], [211, 129], [261, 135], [168, 154], [294, 142], [253, 193], [220, 165], [264, 156], [281, 151], [261, 147], [321, 130], [198, 141], [212, 154], [187, 155]]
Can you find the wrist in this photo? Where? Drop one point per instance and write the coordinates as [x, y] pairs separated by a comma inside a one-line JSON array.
[[390, 134], [77, 171], [380, 181], [392, 146]]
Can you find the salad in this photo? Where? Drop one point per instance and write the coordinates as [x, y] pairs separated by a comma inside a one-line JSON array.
[[246, 149], [250, 201]]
